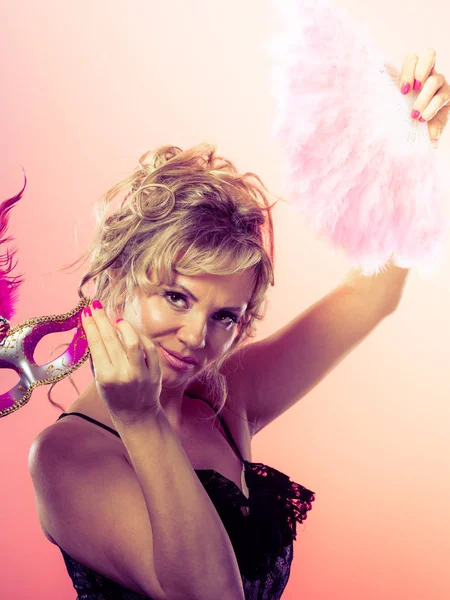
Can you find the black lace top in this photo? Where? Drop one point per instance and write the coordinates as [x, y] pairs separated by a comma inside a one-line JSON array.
[[261, 528]]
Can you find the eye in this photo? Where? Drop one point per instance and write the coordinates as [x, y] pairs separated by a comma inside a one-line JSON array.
[[233, 318], [224, 314], [169, 295]]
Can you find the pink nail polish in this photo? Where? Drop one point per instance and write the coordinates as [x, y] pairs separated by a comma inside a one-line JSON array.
[[417, 85], [415, 114], [118, 320], [97, 304], [87, 312], [422, 120], [405, 88]]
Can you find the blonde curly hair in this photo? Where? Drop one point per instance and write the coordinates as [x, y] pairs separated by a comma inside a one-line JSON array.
[[188, 211]]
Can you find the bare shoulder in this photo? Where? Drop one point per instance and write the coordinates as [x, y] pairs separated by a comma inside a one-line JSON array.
[[90, 504], [70, 440], [62, 445]]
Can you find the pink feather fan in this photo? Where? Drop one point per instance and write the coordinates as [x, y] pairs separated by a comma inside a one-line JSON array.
[[363, 174]]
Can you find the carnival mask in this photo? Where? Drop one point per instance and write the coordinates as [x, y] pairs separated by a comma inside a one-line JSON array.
[[17, 353]]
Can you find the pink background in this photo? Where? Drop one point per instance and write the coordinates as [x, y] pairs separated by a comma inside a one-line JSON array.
[[86, 88]]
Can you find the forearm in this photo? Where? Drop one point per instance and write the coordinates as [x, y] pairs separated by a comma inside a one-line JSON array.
[[193, 556], [382, 291]]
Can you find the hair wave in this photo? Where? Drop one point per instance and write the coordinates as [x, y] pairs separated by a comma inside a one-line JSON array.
[[188, 211]]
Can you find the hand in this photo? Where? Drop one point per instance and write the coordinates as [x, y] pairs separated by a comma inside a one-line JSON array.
[[433, 102], [127, 370]]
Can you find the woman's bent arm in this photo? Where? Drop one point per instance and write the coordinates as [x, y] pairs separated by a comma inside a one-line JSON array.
[[146, 522], [193, 554]]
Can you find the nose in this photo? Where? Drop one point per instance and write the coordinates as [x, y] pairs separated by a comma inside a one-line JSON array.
[[193, 332]]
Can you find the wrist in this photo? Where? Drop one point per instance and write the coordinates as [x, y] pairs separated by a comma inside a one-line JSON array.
[[136, 421]]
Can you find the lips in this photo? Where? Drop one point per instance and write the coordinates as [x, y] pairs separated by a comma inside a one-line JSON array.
[[187, 359]]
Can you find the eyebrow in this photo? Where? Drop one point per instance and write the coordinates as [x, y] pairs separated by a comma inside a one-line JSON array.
[[191, 295]]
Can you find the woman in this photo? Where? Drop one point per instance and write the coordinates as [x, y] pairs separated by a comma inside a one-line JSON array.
[[148, 492], [144, 490]]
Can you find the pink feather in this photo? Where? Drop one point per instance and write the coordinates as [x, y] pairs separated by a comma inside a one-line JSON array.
[[360, 170], [9, 285]]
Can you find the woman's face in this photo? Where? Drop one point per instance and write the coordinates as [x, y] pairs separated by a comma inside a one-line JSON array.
[[199, 321]]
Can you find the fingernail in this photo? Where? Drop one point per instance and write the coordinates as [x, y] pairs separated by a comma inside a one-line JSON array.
[[415, 114], [417, 85], [87, 312], [118, 320], [405, 88], [97, 304], [422, 120]]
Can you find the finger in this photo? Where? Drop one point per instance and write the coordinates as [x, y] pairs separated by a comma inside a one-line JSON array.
[[109, 355], [143, 355], [438, 123], [99, 355], [439, 100], [424, 66], [432, 85], [118, 357], [133, 345], [152, 360], [408, 70]]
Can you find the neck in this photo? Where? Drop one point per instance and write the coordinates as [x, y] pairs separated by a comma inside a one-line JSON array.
[[171, 401]]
